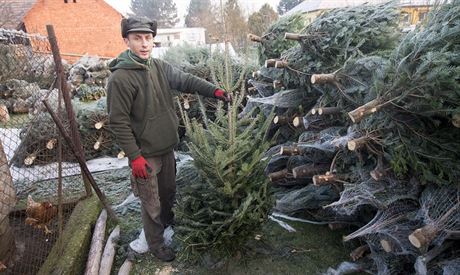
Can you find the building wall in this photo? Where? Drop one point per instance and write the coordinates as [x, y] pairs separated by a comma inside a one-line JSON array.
[[178, 36], [82, 27]]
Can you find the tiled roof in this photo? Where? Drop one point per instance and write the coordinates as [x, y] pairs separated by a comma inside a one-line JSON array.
[[13, 11]]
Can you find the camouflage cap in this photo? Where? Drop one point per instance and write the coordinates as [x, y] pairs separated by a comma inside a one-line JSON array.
[[137, 24]]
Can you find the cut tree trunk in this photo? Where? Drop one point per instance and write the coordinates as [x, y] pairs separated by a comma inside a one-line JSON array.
[[277, 84], [328, 178], [361, 112], [109, 252], [329, 111], [456, 120], [323, 79], [29, 160], [51, 143], [95, 252], [293, 150], [270, 63], [255, 38], [293, 36], [355, 144], [281, 64], [278, 175], [121, 155], [281, 120], [98, 125], [309, 170]]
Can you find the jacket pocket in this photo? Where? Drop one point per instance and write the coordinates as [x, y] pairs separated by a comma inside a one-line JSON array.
[[160, 133]]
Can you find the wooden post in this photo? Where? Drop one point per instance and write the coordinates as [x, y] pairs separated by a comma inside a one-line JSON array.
[[81, 161], [64, 88], [109, 252], [95, 252]]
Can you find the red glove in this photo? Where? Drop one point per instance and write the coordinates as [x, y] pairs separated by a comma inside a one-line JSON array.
[[139, 167], [222, 95]]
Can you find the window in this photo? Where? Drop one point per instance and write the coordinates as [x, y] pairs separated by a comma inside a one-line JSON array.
[[422, 16]]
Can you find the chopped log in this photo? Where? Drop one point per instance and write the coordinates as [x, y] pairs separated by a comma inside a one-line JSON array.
[[186, 104], [121, 155], [298, 122], [386, 245], [329, 111], [269, 63], [355, 144], [51, 143], [456, 120], [328, 178], [281, 120], [109, 252], [293, 36], [278, 175], [4, 114], [292, 150], [309, 170], [323, 79], [126, 267], [255, 38], [98, 125], [369, 108], [98, 143], [281, 64], [29, 160], [95, 252], [277, 84]]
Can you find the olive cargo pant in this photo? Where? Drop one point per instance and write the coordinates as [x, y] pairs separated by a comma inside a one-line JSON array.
[[157, 195]]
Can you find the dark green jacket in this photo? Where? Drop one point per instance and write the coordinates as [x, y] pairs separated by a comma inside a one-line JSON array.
[[141, 106]]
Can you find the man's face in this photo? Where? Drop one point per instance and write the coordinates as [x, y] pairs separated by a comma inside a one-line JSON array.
[[140, 43]]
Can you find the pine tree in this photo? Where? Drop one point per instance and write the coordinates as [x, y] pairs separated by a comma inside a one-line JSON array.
[[163, 11], [198, 12], [259, 22], [286, 5], [220, 213], [235, 24]]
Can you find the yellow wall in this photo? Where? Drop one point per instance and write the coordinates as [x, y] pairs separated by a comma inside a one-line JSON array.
[[409, 15]]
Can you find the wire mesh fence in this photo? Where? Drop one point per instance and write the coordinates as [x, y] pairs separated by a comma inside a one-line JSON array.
[[36, 165]]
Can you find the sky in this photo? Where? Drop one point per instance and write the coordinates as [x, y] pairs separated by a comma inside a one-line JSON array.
[[248, 6]]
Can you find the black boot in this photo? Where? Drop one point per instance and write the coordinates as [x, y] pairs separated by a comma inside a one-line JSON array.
[[164, 253]]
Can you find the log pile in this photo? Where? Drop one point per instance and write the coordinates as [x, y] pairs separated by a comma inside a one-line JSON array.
[[380, 128]]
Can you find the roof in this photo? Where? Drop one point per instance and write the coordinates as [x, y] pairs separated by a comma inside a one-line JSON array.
[[13, 11], [315, 5]]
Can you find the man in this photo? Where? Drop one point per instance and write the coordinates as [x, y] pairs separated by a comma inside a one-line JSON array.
[[143, 119]]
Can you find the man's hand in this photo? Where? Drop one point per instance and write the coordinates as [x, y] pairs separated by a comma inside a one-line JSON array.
[[139, 167], [223, 95]]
